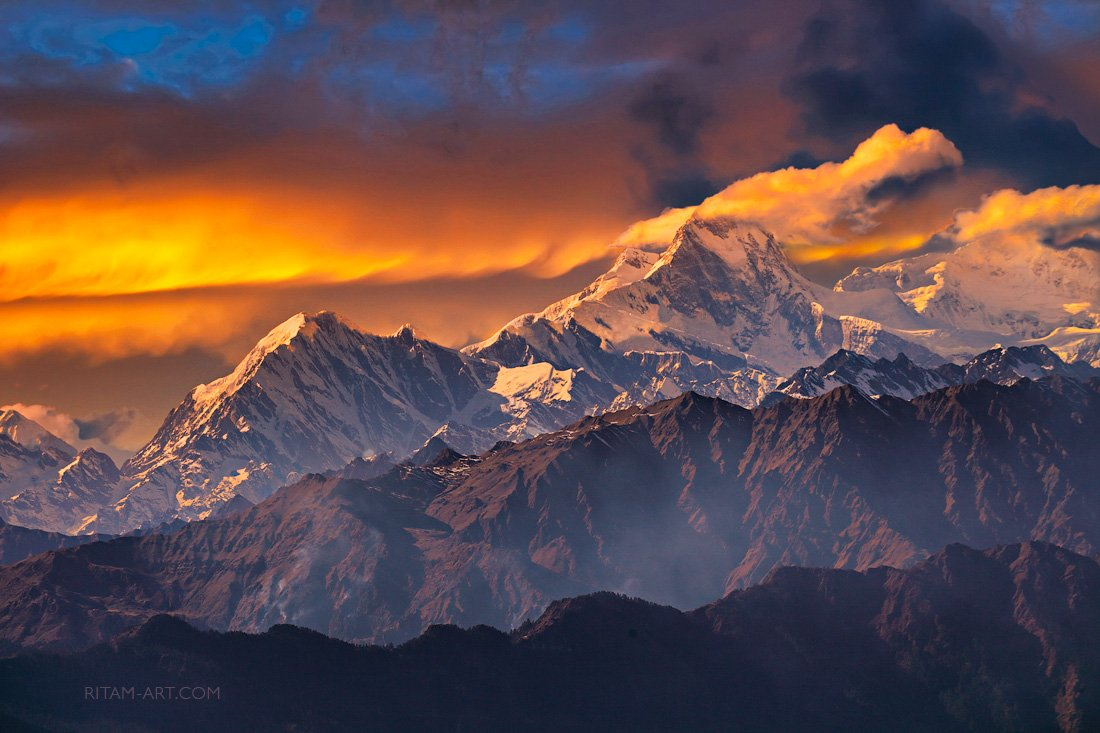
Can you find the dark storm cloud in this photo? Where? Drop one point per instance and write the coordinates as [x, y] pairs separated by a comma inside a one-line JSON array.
[[797, 159], [99, 131], [898, 188], [1084, 237], [863, 63], [105, 426], [1083, 241], [677, 114], [686, 189]]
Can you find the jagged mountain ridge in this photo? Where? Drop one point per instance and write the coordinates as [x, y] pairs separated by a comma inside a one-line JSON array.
[[900, 377], [678, 502], [995, 640], [1026, 292]]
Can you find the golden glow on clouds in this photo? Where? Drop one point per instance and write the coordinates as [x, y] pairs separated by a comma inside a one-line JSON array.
[[110, 245], [116, 244], [108, 328], [818, 212], [1063, 212], [170, 266], [864, 246]]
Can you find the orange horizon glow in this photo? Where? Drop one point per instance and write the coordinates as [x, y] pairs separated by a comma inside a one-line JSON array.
[[200, 256]]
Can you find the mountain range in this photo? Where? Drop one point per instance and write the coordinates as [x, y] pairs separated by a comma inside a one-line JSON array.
[[722, 311], [965, 640], [678, 502]]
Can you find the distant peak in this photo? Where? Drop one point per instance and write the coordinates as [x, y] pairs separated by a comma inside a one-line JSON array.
[[91, 461], [634, 258], [842, 356], [91, 454], [434, 448], [685, 402], [407, 331], [30, 434]]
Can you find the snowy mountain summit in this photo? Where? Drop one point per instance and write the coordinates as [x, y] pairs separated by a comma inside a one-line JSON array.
[[723, 293]]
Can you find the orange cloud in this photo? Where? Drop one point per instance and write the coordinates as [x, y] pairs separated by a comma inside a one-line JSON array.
[[818, 211], [114, 243], [113, 327], [1053, 216]]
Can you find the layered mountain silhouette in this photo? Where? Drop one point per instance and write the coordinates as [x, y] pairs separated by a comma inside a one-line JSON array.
[[679, 502], [966, 640], [18, 543]]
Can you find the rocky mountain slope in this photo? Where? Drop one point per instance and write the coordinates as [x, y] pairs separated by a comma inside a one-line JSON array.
[[678, 502], [1000, 640], [723, 293]]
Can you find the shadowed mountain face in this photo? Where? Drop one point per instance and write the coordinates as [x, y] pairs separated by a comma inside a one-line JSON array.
[[1000, 640], [316, 393], [18, 543], [679, 503]]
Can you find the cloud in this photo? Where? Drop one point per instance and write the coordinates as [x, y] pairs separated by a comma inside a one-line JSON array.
[[76, 333], [99, 431], [1061, 218], [862, 63], [677, 114], [809, 207]]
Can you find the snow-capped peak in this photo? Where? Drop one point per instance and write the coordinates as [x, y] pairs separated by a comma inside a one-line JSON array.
[[731, 239], [29, 434], [298, 326]]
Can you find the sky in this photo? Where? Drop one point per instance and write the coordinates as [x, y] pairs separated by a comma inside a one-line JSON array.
[[177, 178]]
